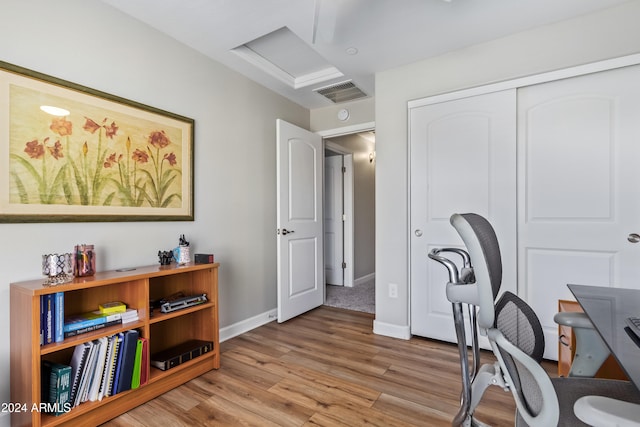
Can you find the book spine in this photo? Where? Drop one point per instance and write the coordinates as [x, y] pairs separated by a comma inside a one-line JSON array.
[[137, 365], [49, 319], [64, 391], [109, 390], [59, 316], [128, 349], [107, 367], [92, 328], [144, 365], [68, 327], [80, 323], [42, 319], [112, 317]]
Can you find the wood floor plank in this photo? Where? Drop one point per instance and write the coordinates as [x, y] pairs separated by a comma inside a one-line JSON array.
[[322, 394], [324, 368], [257, 377], [220, 412], [411, 412], [280, 410]]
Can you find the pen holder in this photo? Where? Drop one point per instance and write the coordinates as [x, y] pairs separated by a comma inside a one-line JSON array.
[[182, 254], [84, 261]]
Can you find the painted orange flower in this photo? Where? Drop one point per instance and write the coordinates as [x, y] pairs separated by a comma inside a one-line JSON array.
[[56, 150], [90, 125], [159, 139], [61, 126], [171, 158], [110, 161], [34, 149], [110, 130], [140, 156]]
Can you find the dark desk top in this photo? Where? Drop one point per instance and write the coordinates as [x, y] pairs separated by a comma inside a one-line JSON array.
[[608, 308]]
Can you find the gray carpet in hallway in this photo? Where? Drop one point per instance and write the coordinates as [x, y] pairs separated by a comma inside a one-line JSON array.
[[360, 297]]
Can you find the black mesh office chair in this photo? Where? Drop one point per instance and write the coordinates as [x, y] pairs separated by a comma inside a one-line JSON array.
[[517, 340]]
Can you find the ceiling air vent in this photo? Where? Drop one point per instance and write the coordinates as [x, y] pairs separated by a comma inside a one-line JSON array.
[[341, 92]]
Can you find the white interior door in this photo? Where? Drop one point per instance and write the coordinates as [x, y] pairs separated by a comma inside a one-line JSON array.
[[578, 193], [300, 268], [463, 159], [333, 220]]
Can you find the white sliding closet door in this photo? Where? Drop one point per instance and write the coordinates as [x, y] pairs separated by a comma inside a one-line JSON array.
[[579, 188], [463, 159]]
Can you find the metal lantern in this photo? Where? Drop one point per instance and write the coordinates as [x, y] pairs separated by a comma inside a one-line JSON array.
[[57, 267]]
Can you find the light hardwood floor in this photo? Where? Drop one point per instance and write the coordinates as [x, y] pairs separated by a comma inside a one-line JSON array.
[[324, 368]]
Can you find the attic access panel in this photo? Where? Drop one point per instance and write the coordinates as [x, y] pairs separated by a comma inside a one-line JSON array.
[[285, 56]]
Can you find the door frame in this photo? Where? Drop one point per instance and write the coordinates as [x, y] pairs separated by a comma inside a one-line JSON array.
[[349, 233], [348, 237]]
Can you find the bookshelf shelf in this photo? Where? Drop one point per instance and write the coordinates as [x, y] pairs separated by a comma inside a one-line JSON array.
[[135, 288]]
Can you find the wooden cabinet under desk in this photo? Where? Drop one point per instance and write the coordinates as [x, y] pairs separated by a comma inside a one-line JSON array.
[[162, 330], [566, 348]]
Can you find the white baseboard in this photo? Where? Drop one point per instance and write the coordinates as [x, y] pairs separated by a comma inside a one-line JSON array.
[[390, 330], [246, 325], [362, 279]]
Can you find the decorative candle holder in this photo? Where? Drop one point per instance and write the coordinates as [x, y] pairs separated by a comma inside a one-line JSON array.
[[57, 267]]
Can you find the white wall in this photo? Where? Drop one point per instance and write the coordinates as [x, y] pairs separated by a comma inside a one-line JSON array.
[[87, 42], [607, 34], [361, 111]]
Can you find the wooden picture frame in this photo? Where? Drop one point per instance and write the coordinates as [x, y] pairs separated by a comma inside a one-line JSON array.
[[99, 158]]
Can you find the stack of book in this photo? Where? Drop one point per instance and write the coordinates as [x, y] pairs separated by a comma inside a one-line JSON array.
[[101, 318], [131, 315], [55, 327], [108, 366]]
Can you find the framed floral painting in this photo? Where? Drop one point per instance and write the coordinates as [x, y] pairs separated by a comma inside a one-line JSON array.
[[70, 153]]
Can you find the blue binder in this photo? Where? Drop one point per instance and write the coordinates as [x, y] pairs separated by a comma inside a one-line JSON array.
[[128, 350]]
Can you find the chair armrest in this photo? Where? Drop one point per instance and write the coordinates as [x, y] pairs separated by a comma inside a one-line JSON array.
[[573, 319], [600, 411], [591, 351]]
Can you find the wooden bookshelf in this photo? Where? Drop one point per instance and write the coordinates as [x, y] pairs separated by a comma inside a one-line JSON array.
[[135, 288]]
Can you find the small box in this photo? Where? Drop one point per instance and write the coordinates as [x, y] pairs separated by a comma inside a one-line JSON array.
[[204, 258], [112, 307]]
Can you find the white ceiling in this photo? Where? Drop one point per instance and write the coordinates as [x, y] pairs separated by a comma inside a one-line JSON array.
[[312, 50]]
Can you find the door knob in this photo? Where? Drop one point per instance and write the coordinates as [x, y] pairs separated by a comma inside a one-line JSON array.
[[634, 238], [418, 233], [285, 231]]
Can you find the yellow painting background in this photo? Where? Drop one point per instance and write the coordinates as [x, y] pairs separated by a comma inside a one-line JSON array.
[[28, 123]]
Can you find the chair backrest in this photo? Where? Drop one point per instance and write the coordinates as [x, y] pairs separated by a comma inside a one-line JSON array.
[[512, 327], [482, 244]]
